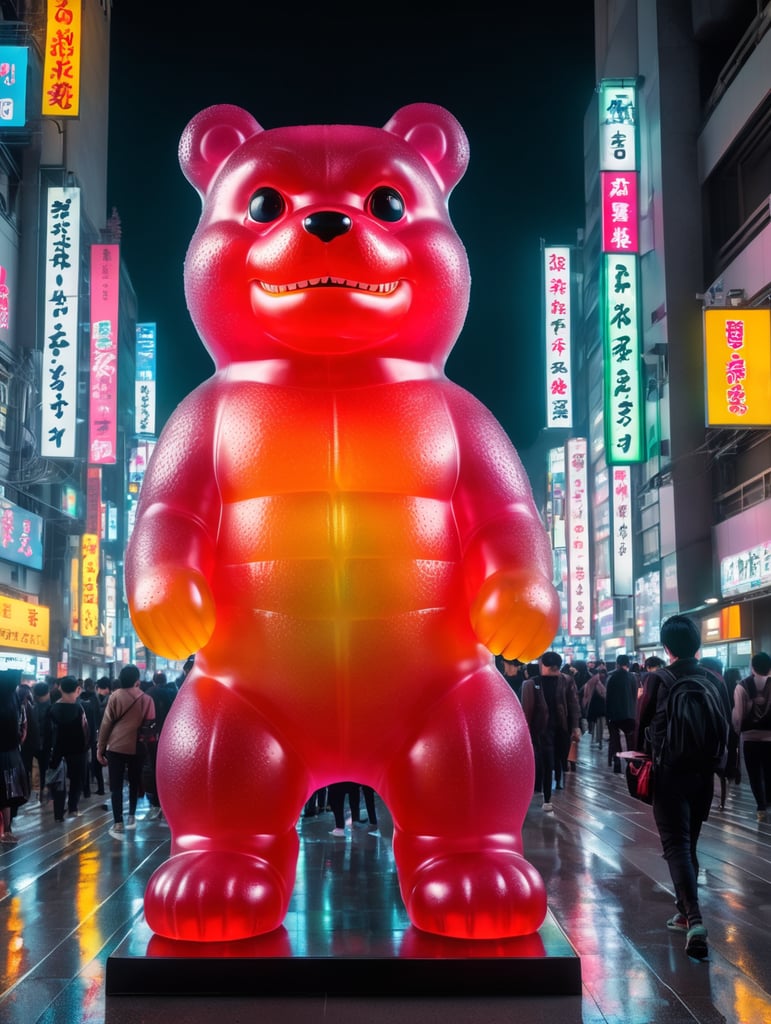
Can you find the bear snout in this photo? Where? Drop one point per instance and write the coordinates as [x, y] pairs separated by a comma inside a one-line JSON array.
[[327, 224]]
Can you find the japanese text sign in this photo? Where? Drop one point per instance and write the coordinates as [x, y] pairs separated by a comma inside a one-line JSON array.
[[619, 211], [623, 376], [103, 387], [24, 625], [61, 67], [618, 125], [144, 396], [577, 535], [21, 535], [59, 386], [13, 86], [558, 330], [89, 585], [621, 502], [738, 367]]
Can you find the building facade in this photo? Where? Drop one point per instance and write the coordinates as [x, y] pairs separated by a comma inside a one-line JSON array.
[[678, 462], [67, 374]]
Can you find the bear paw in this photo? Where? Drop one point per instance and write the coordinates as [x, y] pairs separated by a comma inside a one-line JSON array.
[[491, 895], [215, 896]]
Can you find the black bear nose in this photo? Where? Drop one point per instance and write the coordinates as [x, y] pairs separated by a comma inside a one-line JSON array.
[[327, 224]]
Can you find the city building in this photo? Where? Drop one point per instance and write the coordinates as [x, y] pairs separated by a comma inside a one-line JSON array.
[[67, 348], [670, 432]]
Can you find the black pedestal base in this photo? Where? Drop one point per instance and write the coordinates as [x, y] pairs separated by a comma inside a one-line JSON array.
[[346, 963]]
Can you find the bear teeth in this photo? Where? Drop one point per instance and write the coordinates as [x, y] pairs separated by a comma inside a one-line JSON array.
[[321, 282]]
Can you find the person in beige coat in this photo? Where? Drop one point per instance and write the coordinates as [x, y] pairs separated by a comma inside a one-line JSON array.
[[127, 708]]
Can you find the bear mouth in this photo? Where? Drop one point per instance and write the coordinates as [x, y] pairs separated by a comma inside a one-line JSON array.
[[330, 282]]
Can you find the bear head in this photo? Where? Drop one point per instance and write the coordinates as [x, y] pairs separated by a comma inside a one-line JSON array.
[[326, 242]]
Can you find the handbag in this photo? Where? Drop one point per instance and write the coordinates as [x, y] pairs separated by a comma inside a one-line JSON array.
[[639, 776], [148, 732], [56, 777]]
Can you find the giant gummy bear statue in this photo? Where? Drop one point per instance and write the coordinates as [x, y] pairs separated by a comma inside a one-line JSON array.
[[341, 533]]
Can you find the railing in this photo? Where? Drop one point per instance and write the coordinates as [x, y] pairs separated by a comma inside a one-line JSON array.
[[749, 493], [749, 41]]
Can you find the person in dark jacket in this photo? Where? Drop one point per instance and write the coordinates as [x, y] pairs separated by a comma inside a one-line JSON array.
[[681, 797], [68, 738], [14, 782], [162, 694], [562, 716], [90, 704], [620, 709], [42, 705]]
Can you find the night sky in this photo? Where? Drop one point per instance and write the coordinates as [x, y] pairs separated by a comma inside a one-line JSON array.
[[519, 83]]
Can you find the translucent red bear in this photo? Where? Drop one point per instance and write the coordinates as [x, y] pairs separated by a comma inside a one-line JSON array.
[[341, 534]]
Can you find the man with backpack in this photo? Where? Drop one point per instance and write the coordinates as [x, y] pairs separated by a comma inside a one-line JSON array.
[[685, 716], [752, 719]]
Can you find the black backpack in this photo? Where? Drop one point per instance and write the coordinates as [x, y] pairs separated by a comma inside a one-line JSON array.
[[756, 718], [696, 737]]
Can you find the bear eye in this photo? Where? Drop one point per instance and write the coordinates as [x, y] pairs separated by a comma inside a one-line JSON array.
[[386, 204], [266, 205]]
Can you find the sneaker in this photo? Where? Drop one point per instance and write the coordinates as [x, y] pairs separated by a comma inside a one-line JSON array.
[[678, 923], [337, 832], [696, 942], [152, 814], [375, 832], [131, 821], [548, 807], [118, 831]]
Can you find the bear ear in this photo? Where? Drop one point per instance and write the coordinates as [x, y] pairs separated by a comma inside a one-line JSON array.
[[437, 136], [210, 138]]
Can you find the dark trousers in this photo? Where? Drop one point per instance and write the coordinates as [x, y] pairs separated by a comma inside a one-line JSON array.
[[336, 794], [757, 760], [41, 756], [75, 765], [96, 773], [615, 729], [561, 750], [369, 803], [120, 767], [681, 805], [543, 749], [148, 758]]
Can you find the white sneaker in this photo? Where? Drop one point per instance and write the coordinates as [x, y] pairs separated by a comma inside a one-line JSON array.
[[548, 807], [153, 813], [118, 831], [337, 832], [131, 821]]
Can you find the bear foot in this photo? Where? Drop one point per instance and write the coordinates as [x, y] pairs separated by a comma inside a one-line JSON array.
[[215, 896], [491, 895]]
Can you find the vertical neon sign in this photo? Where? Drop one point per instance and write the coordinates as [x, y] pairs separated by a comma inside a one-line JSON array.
[[558, 328], [620, 317], [577, 536]]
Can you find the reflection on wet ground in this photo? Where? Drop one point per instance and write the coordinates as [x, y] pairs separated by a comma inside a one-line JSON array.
[[71, 900]]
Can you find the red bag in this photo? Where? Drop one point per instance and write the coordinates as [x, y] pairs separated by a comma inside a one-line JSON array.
[[639, 778]]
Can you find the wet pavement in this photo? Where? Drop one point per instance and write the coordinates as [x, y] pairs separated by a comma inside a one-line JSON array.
[[71, 914]]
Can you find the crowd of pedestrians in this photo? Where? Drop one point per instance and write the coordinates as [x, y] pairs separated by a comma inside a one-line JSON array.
[[623, 705], [57, 735]]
